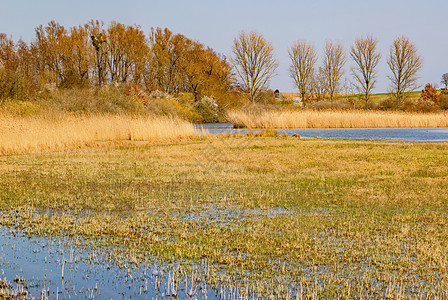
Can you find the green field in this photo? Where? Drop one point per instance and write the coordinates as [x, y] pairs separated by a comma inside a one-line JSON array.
[[276, 215]]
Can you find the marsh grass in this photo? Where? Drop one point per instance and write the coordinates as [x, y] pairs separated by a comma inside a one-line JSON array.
[[335, 119], [63, 131], [286, 217]]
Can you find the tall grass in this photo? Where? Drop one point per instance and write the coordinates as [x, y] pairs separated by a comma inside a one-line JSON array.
[[62, 131], [335, 119]]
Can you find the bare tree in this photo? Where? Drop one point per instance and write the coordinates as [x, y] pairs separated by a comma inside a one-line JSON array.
[[444, 80], [333, 66], [303, 58], [254, 62], [366, 59], [404, 62], [317, 84]]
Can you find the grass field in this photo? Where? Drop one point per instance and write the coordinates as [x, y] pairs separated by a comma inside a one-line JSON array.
[[277, 216]]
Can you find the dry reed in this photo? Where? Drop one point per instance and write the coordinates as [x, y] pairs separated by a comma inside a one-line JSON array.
[[336, 119], [64, 131]]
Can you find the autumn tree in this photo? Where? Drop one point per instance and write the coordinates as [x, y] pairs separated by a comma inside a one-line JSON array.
[[127, 49], [168, 50], [98, 38], [77, 57], [8, 55], [404, 62], [429, 93], [50, 51], [13, 82], [254, 62], [333, 67], [366, 58], [303, 58], [444, 80], [204, 72]]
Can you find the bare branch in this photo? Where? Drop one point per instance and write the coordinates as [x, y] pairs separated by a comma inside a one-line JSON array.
[[254, 62], [404, 62], [366, 58], [333, 66], [303, 58]]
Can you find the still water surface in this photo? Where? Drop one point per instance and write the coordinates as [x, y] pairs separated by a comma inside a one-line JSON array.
[[427, 134]]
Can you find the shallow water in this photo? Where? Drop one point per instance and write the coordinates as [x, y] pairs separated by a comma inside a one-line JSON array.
[[68, 269], [427, 134]]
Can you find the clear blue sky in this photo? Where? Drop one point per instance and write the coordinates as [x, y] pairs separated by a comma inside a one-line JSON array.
[[215, 23]]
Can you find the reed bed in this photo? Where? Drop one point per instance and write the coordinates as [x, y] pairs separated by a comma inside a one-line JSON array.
[[55, 132], [335, 119]]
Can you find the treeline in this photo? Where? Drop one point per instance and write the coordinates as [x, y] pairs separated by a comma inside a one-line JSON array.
[[163, 64], [95, 55]]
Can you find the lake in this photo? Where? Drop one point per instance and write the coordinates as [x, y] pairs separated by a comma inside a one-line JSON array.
[[427, 134]]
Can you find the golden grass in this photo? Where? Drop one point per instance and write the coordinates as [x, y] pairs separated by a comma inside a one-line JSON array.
[[336, 119], [63, 131]]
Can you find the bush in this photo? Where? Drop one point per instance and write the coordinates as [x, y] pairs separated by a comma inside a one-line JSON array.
[[387, 104], [325, 104], [14, 85], [21, 108], [443, 101], [208, 109], [171, 107], [430, 94], [107, 99]]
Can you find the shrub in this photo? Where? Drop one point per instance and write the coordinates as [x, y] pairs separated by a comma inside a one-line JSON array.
[[21, 108], [420, 105], [208, 109], [387, 104], [430, 94], [171, 107], [270, 133], [325, 104], [443, 101], [14, 85]]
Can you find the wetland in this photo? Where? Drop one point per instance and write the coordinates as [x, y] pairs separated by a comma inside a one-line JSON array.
[[228, 217]]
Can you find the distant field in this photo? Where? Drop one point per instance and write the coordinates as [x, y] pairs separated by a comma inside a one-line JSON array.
[[274, 216]]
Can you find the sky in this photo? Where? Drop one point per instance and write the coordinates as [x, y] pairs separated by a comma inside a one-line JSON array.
[[282, 22]]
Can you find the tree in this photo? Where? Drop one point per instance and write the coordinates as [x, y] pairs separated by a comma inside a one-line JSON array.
[[204, 72], [254, 62], [98, 37], [167, 52], [127, 49], [429, 93], [366, 59], [318, 85], [444, 80], [333, 66], [303, 57], [404, 62], [49, 44]]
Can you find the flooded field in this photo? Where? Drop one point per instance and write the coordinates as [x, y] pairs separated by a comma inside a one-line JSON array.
[[67, 268], [209, 219]]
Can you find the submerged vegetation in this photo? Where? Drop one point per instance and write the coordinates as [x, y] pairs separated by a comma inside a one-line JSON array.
[[274, 215]]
